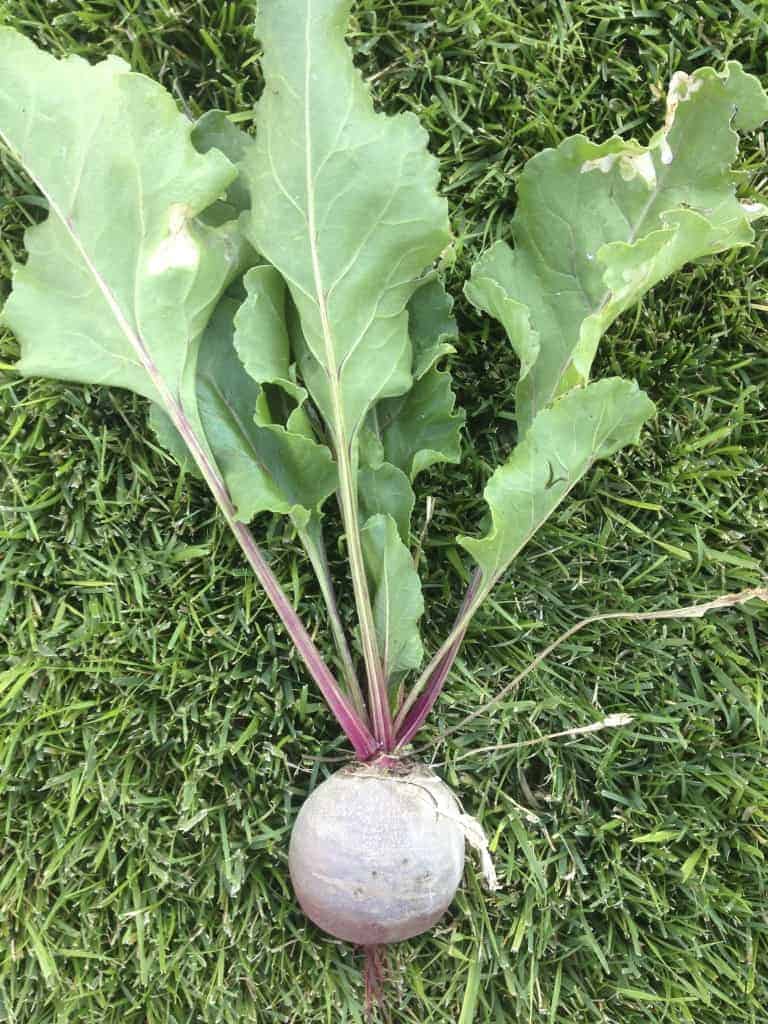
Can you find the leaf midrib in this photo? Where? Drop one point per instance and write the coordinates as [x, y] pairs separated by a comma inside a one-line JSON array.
[[134, 339], [322, 306]]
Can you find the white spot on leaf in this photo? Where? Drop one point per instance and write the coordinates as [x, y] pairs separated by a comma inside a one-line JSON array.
[[631, 165], [603, 163], [681, 88], [179, 249]]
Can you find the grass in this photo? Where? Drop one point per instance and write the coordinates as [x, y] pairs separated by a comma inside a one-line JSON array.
[[156, 734]]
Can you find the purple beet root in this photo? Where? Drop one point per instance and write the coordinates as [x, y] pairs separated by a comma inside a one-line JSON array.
[[377, 854]]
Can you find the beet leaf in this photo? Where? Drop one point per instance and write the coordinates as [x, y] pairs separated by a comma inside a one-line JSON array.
[[599, 224]]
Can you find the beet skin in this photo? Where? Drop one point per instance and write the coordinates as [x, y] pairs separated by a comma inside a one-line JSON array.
[[376, 854]]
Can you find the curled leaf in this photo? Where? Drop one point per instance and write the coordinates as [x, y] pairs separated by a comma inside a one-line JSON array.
[[598, 225]]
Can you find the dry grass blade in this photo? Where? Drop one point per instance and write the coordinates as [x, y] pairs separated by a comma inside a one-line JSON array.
[[611, 722], [691, 611]]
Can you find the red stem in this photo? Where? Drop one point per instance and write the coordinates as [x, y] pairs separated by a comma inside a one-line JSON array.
[[347, 717], [357, 732], [426, 700]]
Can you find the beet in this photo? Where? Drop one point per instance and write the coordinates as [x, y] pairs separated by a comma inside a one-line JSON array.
[[376, 853]]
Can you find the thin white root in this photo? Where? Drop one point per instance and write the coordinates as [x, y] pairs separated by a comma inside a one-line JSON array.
[[611, 722], [477, 839]]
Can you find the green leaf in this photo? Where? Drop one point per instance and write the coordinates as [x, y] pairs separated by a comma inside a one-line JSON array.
[[344, 205], [386, 489], [421, 428], [121, 277], [597, 226], [262, 337], [587, 424], [214, 130], [431, 324], [382, 487], [268, 467], [397, 600]]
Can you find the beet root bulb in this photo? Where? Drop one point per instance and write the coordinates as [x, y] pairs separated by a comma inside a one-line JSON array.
[[376, 854]]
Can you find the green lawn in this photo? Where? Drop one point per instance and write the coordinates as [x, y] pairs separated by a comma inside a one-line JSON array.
[[156, 734]]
